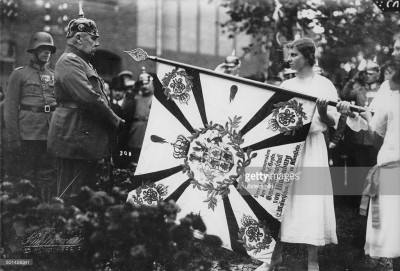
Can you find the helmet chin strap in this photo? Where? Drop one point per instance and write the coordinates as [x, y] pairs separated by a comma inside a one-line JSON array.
[[37, 60]]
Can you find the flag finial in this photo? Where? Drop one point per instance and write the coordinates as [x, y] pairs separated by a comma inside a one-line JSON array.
[[138, 54]]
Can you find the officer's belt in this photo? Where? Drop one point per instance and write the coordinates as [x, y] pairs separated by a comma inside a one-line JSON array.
[[67, 104], [38, 109], [140, 119]]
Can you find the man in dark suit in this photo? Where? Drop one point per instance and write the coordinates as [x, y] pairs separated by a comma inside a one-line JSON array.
[[83, 121]]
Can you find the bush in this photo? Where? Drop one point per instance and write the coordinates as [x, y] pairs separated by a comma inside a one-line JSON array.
[[98, 231]]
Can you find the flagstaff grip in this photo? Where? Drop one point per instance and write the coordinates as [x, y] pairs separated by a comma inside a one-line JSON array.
[[140, 55]]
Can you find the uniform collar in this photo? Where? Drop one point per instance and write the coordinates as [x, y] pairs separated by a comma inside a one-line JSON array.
[[373, 86], [36, 65], [72, 49]]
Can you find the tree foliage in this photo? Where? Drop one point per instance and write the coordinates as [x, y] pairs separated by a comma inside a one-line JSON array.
[[340, 28]]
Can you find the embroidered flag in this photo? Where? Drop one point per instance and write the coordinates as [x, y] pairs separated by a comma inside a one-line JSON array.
[[230, 158]]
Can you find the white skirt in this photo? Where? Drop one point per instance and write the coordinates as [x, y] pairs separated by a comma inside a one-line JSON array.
[[309, 217]]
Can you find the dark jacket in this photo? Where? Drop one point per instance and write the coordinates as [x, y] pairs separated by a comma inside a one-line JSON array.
[[31, 86], [83, 120], [361, 97]]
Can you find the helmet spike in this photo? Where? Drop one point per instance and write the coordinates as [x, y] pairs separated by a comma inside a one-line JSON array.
[[81, 13], [232, 60], [144, 76]]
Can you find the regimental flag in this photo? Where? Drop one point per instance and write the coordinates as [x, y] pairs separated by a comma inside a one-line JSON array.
[[223, 148]]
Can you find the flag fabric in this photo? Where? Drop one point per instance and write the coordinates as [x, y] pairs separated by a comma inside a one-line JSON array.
[[225, 149]]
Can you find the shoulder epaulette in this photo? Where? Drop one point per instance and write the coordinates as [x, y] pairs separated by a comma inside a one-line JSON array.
[[71, 55], [16, 69]]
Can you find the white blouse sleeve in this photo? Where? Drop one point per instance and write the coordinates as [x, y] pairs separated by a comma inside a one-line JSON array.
[[357, 123], [333, 96], [379, 122]]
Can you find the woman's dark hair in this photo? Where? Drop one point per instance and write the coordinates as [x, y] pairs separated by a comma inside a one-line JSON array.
[[306, 47], [394, 64]]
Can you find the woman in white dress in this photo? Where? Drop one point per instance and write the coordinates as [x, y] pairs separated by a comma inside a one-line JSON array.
[[383, 186], [309, 217]]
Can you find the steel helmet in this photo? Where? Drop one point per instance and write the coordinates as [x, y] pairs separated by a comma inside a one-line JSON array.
[[41, 39]]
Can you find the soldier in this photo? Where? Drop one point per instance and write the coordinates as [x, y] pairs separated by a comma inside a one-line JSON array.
[[288, 73], [28, 108], [83, 121], [122, 87], [361, 90], [144, 92], [230, 66]]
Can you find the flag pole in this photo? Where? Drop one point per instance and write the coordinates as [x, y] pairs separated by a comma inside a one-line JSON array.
[[140, 55]]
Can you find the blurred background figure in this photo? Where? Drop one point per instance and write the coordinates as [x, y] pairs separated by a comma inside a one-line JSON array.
[[144, 91], [107, 89], [288, 73], [275, 81], [317, 69], [356, 148], [118, 90], [124, 77], [230, 66], [124, 94], [123, 104]]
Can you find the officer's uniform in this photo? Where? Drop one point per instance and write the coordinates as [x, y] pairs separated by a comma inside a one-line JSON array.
[[138, 106], [81, 125], [28, 108], [362, 152]]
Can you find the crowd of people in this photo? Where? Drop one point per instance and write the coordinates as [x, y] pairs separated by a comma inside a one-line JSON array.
[[59, 124]]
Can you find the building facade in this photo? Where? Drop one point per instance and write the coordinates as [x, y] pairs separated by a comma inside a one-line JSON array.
[[186, 31]]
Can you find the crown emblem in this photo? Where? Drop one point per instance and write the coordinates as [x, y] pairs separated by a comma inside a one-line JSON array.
[[181, 145]]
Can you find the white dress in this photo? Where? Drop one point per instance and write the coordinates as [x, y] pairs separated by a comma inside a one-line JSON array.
[[384, 241], [309, 217]]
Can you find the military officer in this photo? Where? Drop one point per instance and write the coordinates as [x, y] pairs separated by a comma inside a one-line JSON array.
[[231, 65], [83, 121], [144, 92], [28, 108]]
